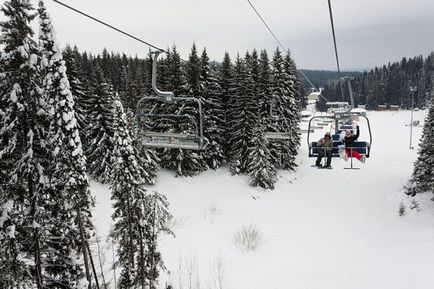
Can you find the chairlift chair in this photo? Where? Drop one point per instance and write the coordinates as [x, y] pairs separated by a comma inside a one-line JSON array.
[[152, 110], [342, 121], [277, 127]]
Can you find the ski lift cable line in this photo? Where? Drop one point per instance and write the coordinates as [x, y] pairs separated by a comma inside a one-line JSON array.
[[334, 37], [110, 26], [266, 25], [336, 48], [277, 40], [119, 30]]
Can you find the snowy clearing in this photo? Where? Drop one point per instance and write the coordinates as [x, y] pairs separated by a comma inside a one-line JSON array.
[[318, 229]]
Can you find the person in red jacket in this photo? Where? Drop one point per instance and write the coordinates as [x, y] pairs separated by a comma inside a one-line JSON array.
[[349, 140]]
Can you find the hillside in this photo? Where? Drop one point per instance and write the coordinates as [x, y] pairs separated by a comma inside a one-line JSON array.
[[320, 228]]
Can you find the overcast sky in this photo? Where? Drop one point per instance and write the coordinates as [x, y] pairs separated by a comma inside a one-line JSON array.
[[369, 32]]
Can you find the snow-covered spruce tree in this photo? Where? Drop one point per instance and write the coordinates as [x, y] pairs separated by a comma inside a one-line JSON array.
[[135, 84], [253, 117], [423, 171], [210, 95], [264, 84], [262, 171], [23, 152], [238, 122], [293, 103], [258, 159], [172, 79], [70, 201], [284, 105], [225, 79], [291, 110], [187, 162], [134, 208], [72, 63], [155, 224], [100, 128]]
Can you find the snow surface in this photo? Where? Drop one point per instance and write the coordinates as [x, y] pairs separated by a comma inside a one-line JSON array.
[[320, 228]]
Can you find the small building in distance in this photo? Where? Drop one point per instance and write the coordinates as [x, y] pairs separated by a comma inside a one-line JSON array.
[[314, 96], [382, 107]]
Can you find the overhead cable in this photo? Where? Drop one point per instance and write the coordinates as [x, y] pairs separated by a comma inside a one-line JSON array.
[[278, 41], [110, 26]]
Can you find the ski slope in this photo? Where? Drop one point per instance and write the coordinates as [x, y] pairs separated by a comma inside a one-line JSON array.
[[320, 229]]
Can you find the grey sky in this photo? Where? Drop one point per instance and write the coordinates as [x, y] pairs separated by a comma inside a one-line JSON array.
[[369, 32]]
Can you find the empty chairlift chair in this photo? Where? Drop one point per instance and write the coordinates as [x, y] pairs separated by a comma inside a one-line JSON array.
[[168, 121], [277, 127]]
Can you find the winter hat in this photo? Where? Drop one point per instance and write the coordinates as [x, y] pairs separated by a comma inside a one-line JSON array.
[[327, 134], [348, 133]]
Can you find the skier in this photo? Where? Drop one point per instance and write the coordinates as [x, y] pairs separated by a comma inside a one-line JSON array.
[[349, 140], [325, 146]]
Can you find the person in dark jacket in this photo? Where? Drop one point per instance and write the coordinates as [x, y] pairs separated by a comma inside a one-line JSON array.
[[325, 146], [349, 140]]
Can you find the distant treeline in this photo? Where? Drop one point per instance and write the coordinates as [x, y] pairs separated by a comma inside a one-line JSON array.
[[319, 78], [392, 84]]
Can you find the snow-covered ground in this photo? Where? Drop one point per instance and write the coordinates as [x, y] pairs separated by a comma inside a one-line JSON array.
[[319, 229]]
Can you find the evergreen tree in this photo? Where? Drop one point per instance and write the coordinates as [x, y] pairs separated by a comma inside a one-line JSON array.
[[23, 150], [210, 95], [292, 110], [238, 139], [72, 60], [135, 212], [423, 172], [264, 85], [100, 128], [70, 201], [286, 108], [253, 116], [262, 171], [135, 86], [225, 80], [186, 162]]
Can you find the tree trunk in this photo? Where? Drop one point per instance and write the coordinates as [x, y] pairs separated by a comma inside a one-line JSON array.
[[36, 240], [93, 266], [130, 229], [85, 253]]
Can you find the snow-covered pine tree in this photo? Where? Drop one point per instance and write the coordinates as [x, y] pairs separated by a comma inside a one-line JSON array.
[[134, 207], [70, 201], [225, 79], [186, 162], [172, 79], [238, 122], [262, 171], [282, 100], [100, 128], [23, 151], [264, 84], [253, 116], [175, 79], [423, 171], [135, 86], [210, 95], [292, 107], [156, 206], [72, 63]]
